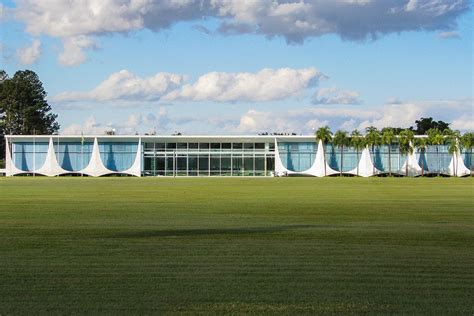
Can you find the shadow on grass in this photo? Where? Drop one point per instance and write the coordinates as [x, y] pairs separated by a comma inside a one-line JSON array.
[[208, 231]]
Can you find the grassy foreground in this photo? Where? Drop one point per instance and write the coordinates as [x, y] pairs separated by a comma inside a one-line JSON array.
[[288, 245]]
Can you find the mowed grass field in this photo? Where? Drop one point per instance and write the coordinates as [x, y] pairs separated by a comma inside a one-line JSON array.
[[228, 245]]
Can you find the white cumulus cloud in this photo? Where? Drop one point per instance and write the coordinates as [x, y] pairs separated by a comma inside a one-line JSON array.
[[458, 112], [335, 96], [464, 123], [135, 122], [126, 86], [301, 121], [264, 85], [30, 54], [294, 20], [73, 50], [90, 126]]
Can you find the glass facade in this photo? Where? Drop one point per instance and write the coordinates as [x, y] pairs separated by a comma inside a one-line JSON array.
[[207, 156], [208, 159], [387, 158], [346, 157], [118, 156], [73, 156], [435, 159], [29, 156], [468, 158], [297, 156]]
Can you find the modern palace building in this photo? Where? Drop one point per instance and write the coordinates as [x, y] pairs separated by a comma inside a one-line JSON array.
[[271, 155]]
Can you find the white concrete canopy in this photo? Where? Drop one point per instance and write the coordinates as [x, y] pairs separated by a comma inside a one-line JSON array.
[[135, 169], [51, 166], [10, 167], [365, 166], [414, 168], [317, 169], [457, 167], [95, 167]]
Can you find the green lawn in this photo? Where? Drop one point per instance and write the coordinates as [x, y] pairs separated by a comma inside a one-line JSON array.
[[222, 245]]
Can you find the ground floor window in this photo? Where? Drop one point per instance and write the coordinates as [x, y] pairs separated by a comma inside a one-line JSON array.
[[208, 164]]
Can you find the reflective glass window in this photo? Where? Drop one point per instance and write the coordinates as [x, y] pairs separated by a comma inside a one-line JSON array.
[[226, 165], [193, 146], [149, 146], [160, 146], [237, 146], [270, 165], [248, 146], [192, 165], [260, 165], [237, 166], [248, 166], [215, 165], [169, 166], [182, 146], [203, 165]]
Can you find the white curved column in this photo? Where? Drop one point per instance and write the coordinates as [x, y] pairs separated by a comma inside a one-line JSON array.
[[365, 165], [10, 167], [135, 169], [96, 167], [280, 169], [317, 169], [414, 168], [51, 166], [457, 166]]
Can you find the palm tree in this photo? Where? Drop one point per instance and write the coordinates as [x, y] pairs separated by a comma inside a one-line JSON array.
[[387, 139], [340, 140], [405, 145], [467, 142], [372, 139], [421, 144], [324, 135], [453, 150], [357, 141], [436, 138], [453, 140]]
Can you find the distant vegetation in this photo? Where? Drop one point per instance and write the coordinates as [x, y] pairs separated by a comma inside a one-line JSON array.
[[404, 139]]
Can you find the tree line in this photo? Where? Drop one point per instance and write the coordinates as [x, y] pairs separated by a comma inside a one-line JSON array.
[[404, 139]]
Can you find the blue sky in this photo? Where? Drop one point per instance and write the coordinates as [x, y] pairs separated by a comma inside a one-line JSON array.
[[223, 67]]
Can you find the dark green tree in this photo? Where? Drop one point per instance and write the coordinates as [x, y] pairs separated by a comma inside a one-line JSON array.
[[23, 105], [424, 124]]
